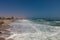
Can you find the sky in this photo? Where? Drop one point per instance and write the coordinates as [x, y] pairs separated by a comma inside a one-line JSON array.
[[30, 8]]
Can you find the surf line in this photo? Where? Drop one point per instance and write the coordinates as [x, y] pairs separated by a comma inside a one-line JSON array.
[[31, 25]]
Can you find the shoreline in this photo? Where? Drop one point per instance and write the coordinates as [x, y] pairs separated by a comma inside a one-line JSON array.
[[4, 33]]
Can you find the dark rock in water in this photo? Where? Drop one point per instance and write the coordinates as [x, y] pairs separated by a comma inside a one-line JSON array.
[[0, 32]]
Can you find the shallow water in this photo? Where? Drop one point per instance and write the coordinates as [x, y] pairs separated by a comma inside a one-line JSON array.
[[31, 30]]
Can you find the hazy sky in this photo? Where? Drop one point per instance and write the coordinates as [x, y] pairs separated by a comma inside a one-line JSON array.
[[30, 8]]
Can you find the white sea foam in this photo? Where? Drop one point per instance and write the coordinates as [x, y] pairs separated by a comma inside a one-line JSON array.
[[28, 30]]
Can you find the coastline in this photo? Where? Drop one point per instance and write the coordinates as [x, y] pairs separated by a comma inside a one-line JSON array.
[[4, 33]]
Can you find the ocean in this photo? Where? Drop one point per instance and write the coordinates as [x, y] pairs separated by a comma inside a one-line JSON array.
[[35, 29]]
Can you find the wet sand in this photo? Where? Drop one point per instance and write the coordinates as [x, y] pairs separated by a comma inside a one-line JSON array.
[[4, 33]]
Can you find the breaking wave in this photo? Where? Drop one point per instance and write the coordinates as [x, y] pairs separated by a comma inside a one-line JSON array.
[[34, 30]]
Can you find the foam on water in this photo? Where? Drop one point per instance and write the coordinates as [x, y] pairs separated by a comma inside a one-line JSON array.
[[28, 30]]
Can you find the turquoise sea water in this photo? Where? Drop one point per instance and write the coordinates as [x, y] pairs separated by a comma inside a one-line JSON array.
[[47, 22], [35, 29]]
